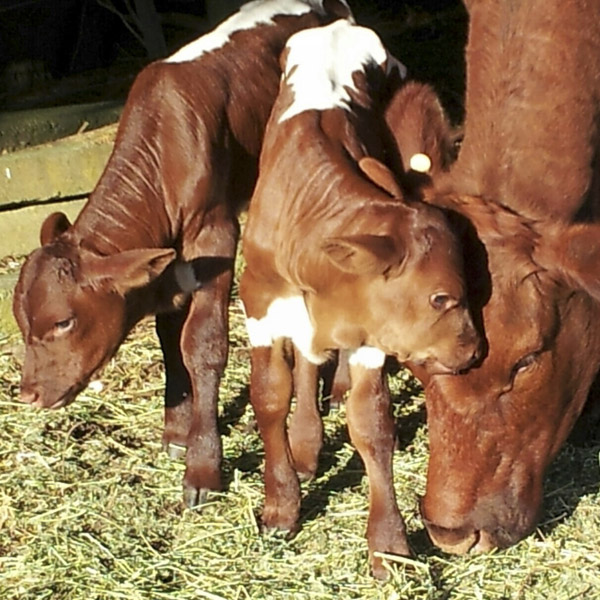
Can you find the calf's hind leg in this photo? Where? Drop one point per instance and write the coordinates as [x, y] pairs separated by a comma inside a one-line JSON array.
[[336, 380], [305, 430]]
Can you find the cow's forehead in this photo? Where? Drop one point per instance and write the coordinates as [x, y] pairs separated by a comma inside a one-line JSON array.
[[523, 307]]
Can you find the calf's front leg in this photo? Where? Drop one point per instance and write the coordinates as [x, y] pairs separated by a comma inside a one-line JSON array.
[[371, 429], [204, 345], [178, 389]]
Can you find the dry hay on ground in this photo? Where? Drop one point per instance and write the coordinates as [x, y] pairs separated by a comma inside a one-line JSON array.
[[90, 506]]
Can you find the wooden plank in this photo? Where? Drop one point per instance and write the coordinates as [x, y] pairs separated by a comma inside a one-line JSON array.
[[68, 167], [26, 128], [20, 228]]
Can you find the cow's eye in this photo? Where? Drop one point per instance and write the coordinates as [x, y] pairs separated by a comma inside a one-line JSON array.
[[524, 363], [64, 326], [442, 301]]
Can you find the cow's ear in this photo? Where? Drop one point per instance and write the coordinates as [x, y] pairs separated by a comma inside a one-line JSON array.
[[126, 270], [54, 225], [363, 254], [575, 251], [380, 175]]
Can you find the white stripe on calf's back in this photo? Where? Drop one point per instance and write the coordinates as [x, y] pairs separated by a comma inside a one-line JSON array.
[[248, 16], [319, 67]]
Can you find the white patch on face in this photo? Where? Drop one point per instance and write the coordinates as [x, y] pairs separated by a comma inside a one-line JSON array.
[[248, 16], [367, 357], [286, 317], [320, 63]]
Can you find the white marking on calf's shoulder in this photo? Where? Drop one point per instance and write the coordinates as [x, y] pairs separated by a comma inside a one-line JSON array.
[[248, 16], [368, 357], [320, 63], [286, 317]]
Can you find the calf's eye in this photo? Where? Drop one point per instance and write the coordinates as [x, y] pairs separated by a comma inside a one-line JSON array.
[[441, 301]]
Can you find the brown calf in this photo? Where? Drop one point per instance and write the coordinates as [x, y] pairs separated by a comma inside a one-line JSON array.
[[524, 184], [338, 259], [183, 164]]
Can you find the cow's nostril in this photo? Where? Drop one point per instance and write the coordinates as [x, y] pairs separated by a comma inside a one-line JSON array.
[[453, 541]]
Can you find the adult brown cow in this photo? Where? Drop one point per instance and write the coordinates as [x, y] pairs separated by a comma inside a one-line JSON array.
[[183, 164], [337, 258], [525, 186]]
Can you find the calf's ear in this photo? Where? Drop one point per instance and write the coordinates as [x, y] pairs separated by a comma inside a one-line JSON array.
[[363, 254], [575, 252], [380, 175], [126, 270], [54, 225]]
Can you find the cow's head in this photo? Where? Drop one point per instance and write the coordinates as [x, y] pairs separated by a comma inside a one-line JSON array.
[[72, 308], [494, 429], [413, 280]]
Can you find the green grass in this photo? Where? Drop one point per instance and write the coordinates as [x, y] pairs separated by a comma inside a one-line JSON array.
[[90, 507]]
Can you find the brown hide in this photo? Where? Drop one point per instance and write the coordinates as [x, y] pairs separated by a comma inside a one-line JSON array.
[[330, 233], [526, 173], [531, 100], [184, 162]]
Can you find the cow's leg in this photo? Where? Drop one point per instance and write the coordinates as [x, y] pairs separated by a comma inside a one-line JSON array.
[[270, 394], [204, 343], [178, 390], [305, 427], [371, 429]]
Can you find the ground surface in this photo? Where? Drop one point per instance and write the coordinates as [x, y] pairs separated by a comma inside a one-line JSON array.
[[90, 506]]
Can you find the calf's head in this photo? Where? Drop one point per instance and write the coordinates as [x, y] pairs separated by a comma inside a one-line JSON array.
[[494, 429], [412, 282], [71, 305]]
